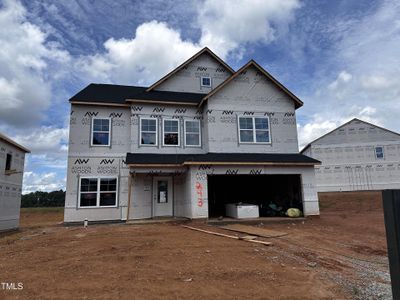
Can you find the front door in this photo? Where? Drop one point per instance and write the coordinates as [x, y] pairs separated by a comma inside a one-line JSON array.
[[162, 196]]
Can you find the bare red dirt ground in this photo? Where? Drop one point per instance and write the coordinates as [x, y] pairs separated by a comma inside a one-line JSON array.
[[339, 255]]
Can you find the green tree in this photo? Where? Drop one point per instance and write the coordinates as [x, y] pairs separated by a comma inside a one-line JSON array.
[[43, 199]]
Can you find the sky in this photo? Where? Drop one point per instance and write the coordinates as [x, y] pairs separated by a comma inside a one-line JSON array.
[[342, 58]]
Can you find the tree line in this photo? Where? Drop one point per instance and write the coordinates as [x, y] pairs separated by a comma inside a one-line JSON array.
[[43, 199]]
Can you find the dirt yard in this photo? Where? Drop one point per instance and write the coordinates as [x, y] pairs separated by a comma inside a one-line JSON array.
[[340, 255]]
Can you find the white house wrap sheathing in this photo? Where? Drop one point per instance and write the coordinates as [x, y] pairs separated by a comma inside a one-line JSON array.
[[250, 94], [349, 161], [10, 185]]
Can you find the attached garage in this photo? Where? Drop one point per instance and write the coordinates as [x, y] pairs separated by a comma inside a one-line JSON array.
[[273, 194]]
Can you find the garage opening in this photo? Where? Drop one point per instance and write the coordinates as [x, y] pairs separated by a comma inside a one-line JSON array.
[[273, 194]]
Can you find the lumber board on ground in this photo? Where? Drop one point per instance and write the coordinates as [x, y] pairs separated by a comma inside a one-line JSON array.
[[227, 236], [252, 230]]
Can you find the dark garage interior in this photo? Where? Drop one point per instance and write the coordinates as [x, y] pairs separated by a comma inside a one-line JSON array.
[[274, 194]]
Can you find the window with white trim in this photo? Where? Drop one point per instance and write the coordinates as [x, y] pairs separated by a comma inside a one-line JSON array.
[[379, 152], [171, 132], [98, 192], [192, 133], [101, 132], [254, 130], [205, 81], [148, 131]]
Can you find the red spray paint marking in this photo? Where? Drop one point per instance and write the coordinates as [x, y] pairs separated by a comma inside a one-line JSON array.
[[199, 192]]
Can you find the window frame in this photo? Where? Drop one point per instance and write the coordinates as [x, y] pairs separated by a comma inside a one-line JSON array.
[[163, 132], [185, 131], [92, 131], [140, 132], [8, 165], [254, 130], [98, 192], [376, 154], [201, 81]]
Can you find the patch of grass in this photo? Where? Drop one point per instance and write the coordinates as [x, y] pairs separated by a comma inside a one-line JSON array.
[[41, 210]]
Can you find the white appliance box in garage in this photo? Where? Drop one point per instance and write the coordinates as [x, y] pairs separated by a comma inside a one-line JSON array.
[[242, 210]]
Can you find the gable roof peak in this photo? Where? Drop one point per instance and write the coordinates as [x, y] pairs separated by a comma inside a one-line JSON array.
[[343, 125], [188, 61], [298, 102]]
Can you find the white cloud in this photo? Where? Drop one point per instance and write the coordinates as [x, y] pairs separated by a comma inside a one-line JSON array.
[[25, 58], [318, 126], [342, 78], [45, 182], [368, 86], [154, 50], [45, 139], [45, 166], [228, 25], [314, 130], [377, 82]]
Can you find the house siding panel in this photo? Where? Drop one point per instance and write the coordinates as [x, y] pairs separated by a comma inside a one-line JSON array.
[[348, 159], [10, 186], [188, 79], [251, 94]]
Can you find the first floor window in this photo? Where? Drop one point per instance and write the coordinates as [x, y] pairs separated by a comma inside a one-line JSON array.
[[98, 192], [148, 131], [192, 133], [254, 130], [100, 132], [171, 132], [379, 152]]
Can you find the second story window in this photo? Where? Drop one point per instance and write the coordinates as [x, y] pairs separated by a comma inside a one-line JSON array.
[[171, 132], [192, 133], [254, 130], [148, 131], [8, 162], [379, 152], [101, 132], [205, 81]]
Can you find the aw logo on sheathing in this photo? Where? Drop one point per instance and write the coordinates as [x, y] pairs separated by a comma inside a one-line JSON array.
[[289, 114], [227, 112], [269, 114], [115, 115], [156, 116], [248, 113], [106, 161], [232, 172], [255, 171], [137, 108], [180, 110], [209, 111], [220, 70], [91, 114], [199, 112], [81, 161], [205, 167], [159, 109], [201, 68]]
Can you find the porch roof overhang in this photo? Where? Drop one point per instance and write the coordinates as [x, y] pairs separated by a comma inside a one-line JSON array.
[[177, 160]]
